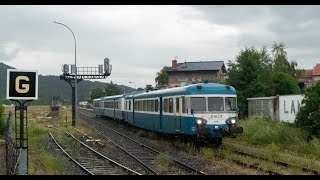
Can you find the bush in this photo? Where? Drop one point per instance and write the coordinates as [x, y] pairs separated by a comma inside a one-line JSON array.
[[308, 117], [263, 131]]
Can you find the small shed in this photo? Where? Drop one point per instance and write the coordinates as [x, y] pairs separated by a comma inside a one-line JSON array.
[[281, 108]]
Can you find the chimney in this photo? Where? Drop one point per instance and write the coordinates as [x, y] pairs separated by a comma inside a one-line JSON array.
[[174, 64]]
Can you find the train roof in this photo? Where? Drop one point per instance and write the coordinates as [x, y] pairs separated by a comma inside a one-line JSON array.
[[98, 99], [112, 97], [200, 88]]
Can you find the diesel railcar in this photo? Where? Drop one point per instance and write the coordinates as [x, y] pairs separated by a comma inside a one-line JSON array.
[[204, 111]]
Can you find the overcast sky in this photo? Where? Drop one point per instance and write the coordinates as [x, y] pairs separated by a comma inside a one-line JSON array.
[[140, 40]]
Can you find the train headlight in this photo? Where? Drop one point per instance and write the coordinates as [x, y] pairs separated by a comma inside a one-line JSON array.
[[201, 122], [231, 121]]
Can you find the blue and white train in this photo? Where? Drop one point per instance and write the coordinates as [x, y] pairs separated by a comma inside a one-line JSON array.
[[204, 111]]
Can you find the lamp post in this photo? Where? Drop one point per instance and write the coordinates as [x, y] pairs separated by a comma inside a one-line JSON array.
[[134, 84], [75, 62]]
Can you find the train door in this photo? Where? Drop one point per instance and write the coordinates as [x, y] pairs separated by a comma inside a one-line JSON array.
[[114, 109], [133, 114], [127, 111], [160, 108], [177, 114], [130, 112]]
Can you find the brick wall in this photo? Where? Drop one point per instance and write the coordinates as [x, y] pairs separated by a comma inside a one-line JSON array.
[[176, 77]]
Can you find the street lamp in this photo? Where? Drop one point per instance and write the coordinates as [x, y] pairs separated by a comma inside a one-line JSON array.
[[134, 84], [75, 62]]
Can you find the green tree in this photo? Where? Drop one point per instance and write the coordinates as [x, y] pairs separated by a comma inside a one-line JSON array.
[[285, 74], [250, 75], [149, 87], [254, 74], [284, 83], [112, 89], [162, 76], [97, 93], [2, 123], [308, 117], [281, 63]]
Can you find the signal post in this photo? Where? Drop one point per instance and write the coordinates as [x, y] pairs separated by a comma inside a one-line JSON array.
[[22, 87], [98, 72]]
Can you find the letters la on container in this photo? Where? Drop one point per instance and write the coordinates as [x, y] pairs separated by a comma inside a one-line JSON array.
[[22, 84]]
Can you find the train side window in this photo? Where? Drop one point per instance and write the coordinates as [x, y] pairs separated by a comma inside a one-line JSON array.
[[142, 107], [170, 105], [129, 105], [145, 105], [177, 105], [156, 105], [165, 105], [139, 108], [183, 105], [148, 105], [138, 105], [152, 105]]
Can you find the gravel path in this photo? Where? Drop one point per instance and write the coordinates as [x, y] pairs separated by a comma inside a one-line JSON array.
[[2, 159]]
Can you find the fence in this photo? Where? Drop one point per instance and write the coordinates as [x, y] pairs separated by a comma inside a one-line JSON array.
[[11, 151]]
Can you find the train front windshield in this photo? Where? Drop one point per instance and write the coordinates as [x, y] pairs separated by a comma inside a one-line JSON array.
[[199, 104], [231, 104]]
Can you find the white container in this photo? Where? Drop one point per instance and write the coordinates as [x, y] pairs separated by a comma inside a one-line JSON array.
[[289, 105], [283, 108]]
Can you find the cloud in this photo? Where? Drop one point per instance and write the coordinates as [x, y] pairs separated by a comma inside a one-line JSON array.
[[139, 40]]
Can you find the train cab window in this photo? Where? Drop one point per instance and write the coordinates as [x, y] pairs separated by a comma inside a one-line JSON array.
[[156, 105], [230, 104], [215, 104], [170, 105], [177, 105], [198, 104]]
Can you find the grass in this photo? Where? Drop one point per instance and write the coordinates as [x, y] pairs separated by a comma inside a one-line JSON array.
[[276, 136], [40, 159], [164, 161], [279, 141], [270, 131]]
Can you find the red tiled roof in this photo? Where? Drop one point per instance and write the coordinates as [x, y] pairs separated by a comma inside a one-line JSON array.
[[308, 73], [316, 70]]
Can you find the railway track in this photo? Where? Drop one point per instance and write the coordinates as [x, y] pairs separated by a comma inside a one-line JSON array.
[[142, 153], [91, 161], [278, 162], [282, 165]]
